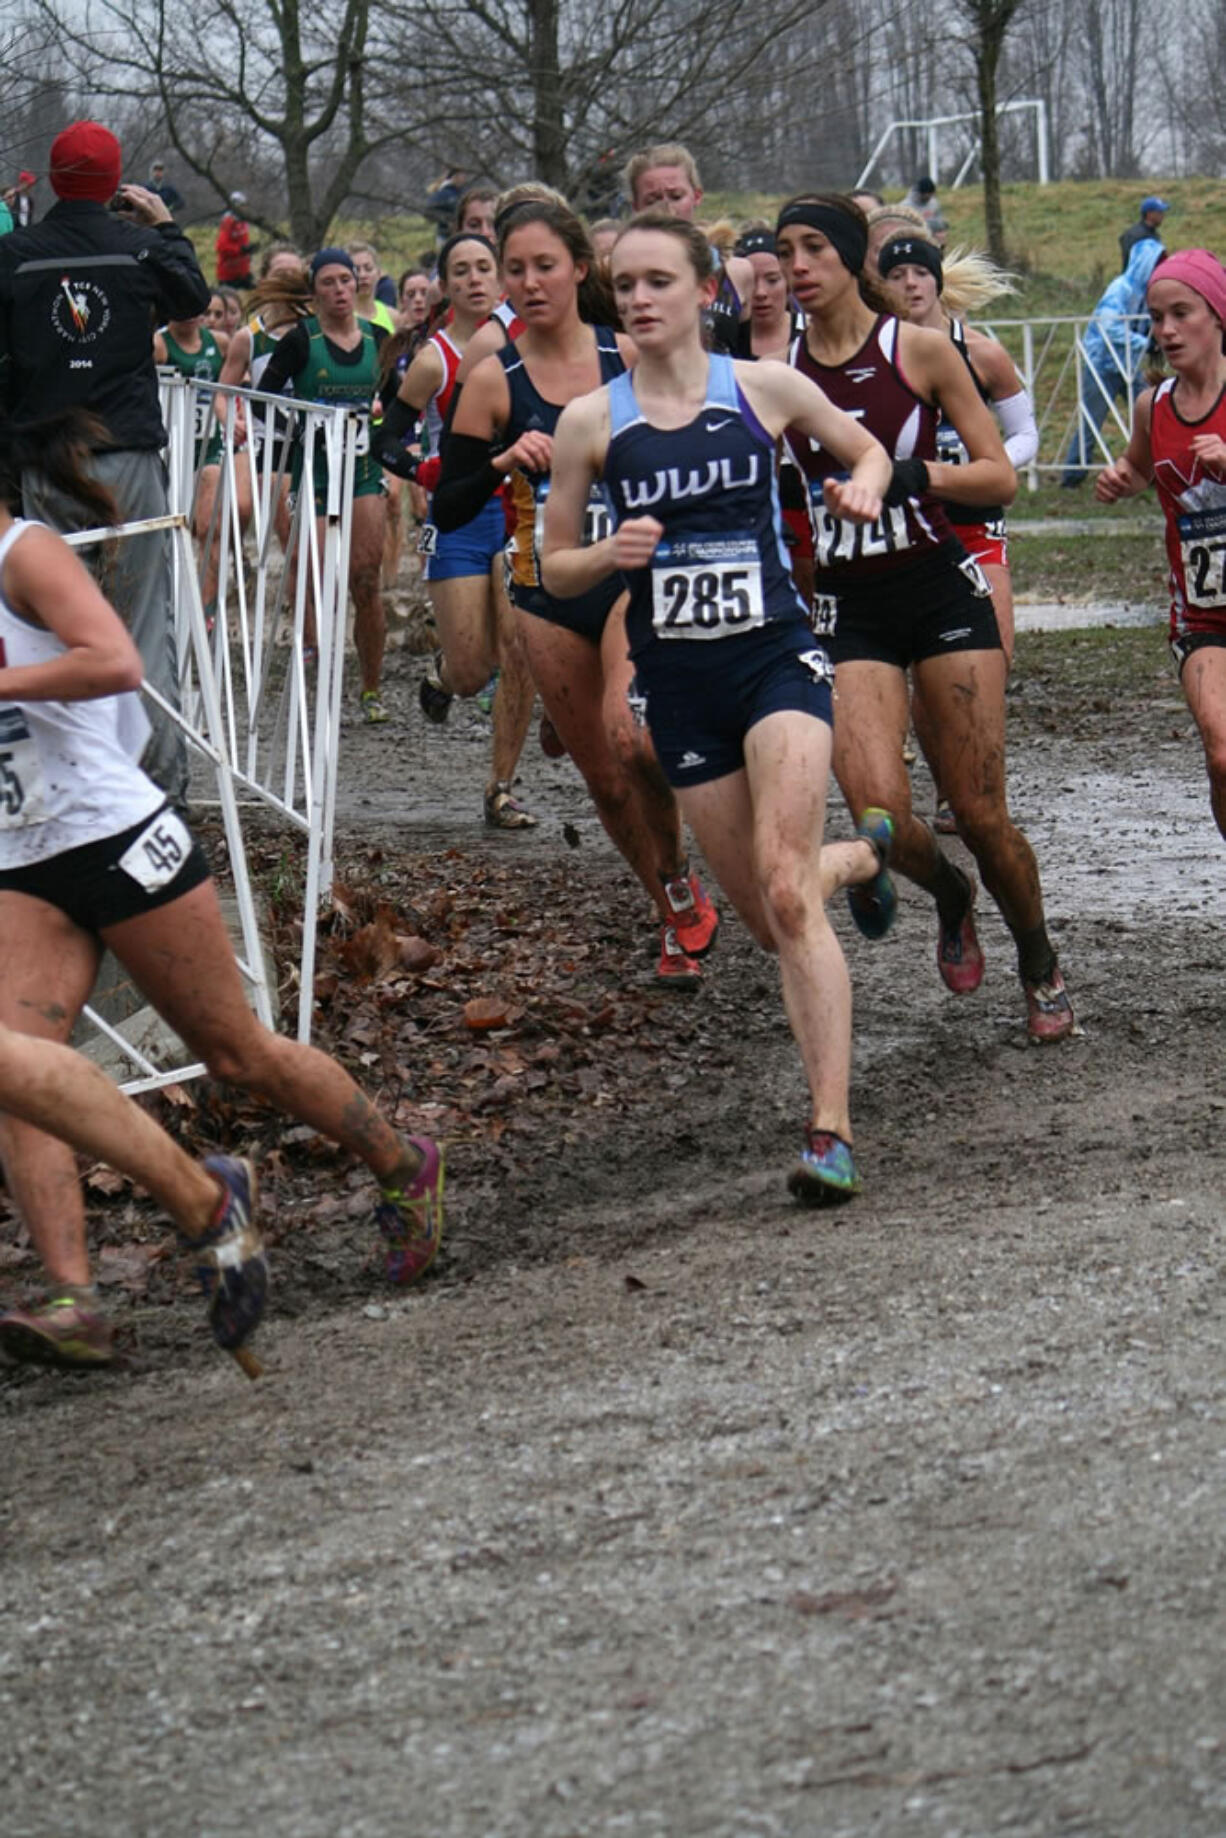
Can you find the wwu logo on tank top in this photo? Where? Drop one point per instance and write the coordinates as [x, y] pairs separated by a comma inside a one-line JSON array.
[[697, 482]]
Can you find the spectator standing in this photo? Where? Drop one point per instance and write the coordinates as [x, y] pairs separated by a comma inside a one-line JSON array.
[[922, 197], [233, 245], [79, 292], [1148, 224], [6, 215], [161, 186], [1113, 349], [442, 201]]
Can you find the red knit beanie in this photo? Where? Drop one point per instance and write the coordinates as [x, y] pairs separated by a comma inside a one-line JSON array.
[[86, 162]]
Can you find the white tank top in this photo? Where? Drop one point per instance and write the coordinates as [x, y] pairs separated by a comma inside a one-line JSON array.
[[68, 771]]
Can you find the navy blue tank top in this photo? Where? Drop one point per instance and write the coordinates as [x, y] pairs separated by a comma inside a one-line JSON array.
[[530, 411], [721, 567], [951, 448]]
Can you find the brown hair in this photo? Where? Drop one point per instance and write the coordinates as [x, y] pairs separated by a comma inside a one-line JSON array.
[[476, 194], [59, 447], [596, 304], [872, 291], [670, 153], [691, 238]]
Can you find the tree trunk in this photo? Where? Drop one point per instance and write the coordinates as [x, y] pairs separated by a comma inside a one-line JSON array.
[[987, 58], [549, 128]]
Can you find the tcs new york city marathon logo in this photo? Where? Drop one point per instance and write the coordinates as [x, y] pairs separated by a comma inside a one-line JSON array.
[[80, 311]]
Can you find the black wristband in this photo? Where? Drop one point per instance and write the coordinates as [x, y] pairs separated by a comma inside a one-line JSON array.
[[909, 479]]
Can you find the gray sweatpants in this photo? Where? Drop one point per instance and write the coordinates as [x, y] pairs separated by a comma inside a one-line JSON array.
[[137, 580]]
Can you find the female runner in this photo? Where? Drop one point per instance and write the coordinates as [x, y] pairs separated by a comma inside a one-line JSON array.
[[281, 298], [773, 321], [901, 594], [333, 356], [463, 568], [736, 692], [1179, 442], [198, 353], [934, 292], [666, 179], [503, 427], [91, 856]]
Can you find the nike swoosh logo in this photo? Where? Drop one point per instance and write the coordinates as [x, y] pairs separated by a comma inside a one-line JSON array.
[[713, 427]]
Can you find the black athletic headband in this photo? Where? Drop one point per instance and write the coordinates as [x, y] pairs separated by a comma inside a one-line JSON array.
[[914, 249], [509, 211], [462, 236], [847, 234], [756, 242]]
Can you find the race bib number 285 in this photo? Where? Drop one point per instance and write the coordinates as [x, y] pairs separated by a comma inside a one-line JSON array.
[[706, 587]]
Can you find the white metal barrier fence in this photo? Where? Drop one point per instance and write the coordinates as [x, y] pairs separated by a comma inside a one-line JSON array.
[[260, 669], [1088, 394]]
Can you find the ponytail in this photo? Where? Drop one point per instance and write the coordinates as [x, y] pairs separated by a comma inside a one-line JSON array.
[[58, 446]]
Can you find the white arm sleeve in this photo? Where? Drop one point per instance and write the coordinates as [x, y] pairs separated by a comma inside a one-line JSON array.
[[1019, 427]]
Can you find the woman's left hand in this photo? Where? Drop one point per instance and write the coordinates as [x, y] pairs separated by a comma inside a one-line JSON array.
[[847, 499]]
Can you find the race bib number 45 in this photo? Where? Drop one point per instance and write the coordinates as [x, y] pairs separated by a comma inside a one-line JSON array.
[[1202, 547], [159, 851], [706, 587]]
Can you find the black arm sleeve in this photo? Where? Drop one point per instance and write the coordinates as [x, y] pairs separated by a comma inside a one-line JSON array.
[[400, 426], [909, 479], [467, 482], [182, 288], [287, 360]]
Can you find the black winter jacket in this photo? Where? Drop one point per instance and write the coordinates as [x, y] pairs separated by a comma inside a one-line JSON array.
[[81, 293]]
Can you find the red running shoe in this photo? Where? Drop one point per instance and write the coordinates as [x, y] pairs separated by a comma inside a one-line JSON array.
[[694, 917], [1049, 1012], [410, 1219], [959, 957], [676, 968]]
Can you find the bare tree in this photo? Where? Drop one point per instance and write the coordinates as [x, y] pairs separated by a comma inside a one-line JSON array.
[[1111, 32], [988, 22], [250, 85]]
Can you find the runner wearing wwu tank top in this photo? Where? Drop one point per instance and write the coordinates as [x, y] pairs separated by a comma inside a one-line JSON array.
[[503, 427], [735, 691], [901, 594], [1179, 441]]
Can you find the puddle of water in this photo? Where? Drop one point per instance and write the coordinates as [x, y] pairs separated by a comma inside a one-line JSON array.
[[1060, 616]]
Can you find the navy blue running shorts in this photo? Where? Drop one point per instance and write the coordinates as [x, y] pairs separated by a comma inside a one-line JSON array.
[[587, 614], [938, 604], [103, 883], [700, 698]]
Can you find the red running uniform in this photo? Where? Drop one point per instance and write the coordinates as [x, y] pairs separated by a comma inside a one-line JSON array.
[[1195, 508]]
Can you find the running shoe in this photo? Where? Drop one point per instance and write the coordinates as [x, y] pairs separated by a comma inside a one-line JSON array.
[[231, 1267], [552, 744], [410, 1219], [1049, 1012], [63, 1330], [485, 697], [435, 700], [874, 904], [676, 968], [826, 1174], [694, 918], [944, 822], [959, 958], [503, 810], [373, 712]]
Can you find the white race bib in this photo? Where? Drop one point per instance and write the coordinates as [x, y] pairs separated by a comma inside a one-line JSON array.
[[706, 587], [825, 615], [427, 539], [21, 773], [837, 540], [597, 519], [1202, 548], [159, 852]]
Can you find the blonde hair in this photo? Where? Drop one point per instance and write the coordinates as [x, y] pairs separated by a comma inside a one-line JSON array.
[[671, 153], [899, 213], [530, 192], [972, 280]]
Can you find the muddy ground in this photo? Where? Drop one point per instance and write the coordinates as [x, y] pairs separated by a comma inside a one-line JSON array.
[[666, 1508]]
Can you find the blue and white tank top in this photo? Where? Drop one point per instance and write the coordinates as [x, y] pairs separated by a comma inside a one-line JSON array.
[[721, 567]]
